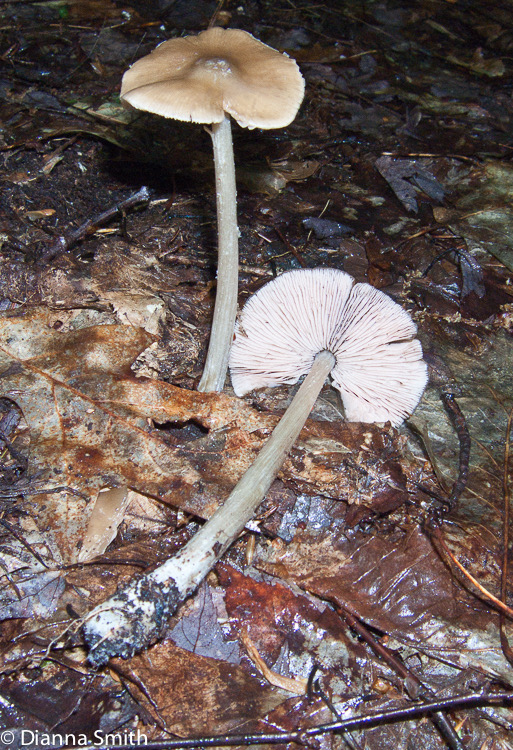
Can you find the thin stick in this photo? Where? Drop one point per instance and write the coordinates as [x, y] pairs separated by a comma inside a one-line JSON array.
[[460, 425], [505, 533], [292, 250], [301, 736], [16, 534], [63, 244], [506, 648], [493, 599], [438, 718]]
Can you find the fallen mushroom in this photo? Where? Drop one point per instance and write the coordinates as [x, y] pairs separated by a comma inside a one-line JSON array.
[[315, 322], [205, 79]]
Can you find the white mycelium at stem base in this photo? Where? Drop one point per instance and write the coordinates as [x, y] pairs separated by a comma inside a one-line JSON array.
[[314, 322]]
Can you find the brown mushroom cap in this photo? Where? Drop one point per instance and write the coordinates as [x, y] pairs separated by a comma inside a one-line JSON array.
[[200, 78], [379, 369]]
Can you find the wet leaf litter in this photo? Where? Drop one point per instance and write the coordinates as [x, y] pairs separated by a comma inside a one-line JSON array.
[[406, 123]]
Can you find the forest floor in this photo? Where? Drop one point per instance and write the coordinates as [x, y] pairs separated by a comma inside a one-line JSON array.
[[351, 585]]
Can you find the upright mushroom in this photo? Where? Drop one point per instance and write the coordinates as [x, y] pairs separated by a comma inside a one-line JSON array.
[[307, 321], [204, 79]]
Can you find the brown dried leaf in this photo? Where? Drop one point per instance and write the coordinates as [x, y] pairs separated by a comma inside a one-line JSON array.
[[492, 68], [317, 53], [292, 170], [88, 419], [292, 632], [195, 694], [397, 584]]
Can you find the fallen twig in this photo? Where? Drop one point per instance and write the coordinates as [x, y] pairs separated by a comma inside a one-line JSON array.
[[301, 736], [460, 425], [506, 648], [501, 606], [16, 534], [295, 685], [63, 244], [439, 719], [292, 250]]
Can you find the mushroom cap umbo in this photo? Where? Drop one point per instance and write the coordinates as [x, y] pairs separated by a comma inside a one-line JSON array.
[[201, 78], [378, 370]]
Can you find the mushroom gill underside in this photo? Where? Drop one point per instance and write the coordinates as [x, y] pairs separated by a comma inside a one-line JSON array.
[[379, 371]]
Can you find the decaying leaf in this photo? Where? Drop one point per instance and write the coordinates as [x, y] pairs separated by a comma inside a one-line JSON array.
[[293, 633], [88, 418], [477, 63], [34, 593], [375, 576], [406, 178], [199, 629], [175, 679], [481, 208], [52, 700]]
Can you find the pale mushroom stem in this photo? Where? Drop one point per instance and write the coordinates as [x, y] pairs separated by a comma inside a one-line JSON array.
[[133, 617], [192, 563], [225, 309]]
